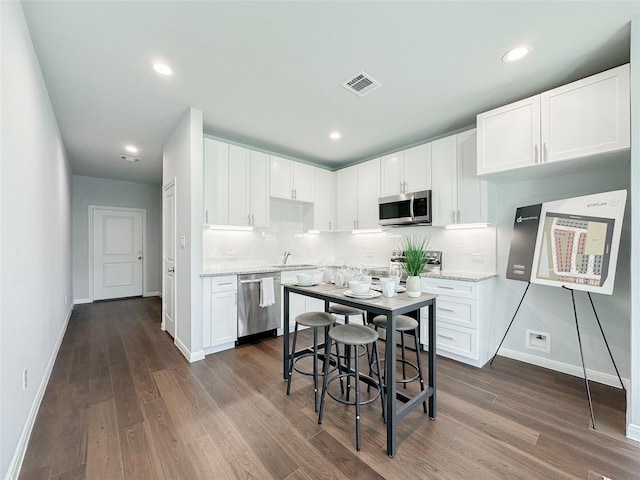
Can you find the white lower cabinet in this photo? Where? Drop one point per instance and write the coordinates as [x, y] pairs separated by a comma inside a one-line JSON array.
[[298, 303], [220, 313], [463, 319]]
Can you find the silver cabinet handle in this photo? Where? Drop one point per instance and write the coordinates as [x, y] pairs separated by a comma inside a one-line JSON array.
[[545, 153], [329, 226], [445, 287], [444, 336], [206, 216], [224, 283], [535, 154], [445, 309], [171, 270], [458, 216]]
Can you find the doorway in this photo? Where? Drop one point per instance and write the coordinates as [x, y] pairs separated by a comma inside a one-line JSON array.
[[116, 252], [169, 257]]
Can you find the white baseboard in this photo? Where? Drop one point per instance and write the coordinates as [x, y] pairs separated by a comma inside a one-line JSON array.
[[576, 371], [633, 432], [18, 457], [80, 301], [190, 356], [152, 294]]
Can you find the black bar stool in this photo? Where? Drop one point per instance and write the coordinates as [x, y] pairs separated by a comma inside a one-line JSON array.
[[353, 336], [403, 324], [313, 320]]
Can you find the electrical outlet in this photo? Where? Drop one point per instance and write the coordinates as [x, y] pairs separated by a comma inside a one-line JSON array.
[[24, 379], [183, 241]]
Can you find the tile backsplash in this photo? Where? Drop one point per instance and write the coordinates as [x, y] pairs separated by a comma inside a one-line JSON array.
[[471, 250]]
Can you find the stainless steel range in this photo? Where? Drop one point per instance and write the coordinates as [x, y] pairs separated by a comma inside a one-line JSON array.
[[434, 264]]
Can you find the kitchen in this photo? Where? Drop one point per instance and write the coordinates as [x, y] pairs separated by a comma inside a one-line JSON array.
[[481, 250]]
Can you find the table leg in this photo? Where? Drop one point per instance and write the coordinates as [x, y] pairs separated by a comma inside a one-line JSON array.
[[285, 335], [390, 384], [432, 358]]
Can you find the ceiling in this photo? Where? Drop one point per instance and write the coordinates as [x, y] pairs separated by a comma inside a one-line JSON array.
[[269, 74]]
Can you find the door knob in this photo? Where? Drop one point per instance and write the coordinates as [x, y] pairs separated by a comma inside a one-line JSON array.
[[171, 270]]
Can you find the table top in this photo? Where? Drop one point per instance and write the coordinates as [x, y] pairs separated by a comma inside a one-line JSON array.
[[398, 304]]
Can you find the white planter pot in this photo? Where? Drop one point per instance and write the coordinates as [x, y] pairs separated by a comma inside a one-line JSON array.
[[414, 288]]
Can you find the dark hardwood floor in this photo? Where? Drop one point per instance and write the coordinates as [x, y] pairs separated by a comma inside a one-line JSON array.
[[122, 402]]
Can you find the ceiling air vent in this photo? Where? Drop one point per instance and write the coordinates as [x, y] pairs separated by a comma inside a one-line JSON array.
[[361, 84], [129, 158]]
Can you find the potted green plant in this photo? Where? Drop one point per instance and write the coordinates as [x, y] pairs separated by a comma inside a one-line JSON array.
[[413, 261]]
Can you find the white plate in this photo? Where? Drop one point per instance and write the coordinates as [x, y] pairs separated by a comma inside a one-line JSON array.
[[399, 289], [369, 294], [298, 284]]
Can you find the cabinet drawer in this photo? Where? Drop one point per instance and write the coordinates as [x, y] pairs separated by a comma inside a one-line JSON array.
[[454, 288], [224, 284], [457, 311], [459, 340]]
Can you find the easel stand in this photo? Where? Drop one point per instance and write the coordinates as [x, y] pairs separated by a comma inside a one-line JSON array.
[[575, 315]]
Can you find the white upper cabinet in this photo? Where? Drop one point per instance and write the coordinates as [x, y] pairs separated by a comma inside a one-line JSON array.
[[458, 195], [368, 193], [236, 185], [346, 198], [509, 136], [406, 171], [323, 199], [358, 189], [587, 117], [578, 120], [291, 180], [216, 182], [259, 188]]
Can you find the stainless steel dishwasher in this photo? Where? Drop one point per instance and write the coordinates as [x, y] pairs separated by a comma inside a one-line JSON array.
[[252, 318]]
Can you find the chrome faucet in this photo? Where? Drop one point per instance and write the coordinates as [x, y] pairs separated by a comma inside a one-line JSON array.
[[286, 255]]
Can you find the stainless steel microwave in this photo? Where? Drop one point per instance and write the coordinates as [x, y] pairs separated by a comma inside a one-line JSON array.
[[405, 209]]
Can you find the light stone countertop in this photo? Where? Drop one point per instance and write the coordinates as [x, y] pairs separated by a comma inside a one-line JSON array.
[[249, 269], [460, 275]]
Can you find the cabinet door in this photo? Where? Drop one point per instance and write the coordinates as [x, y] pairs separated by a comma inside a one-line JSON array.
[[392, 174], [509, 136], [323, 196], [216, 182], [239, 186], [346, 198], [302, 182], [587, 117], [471, 190], [368, 192], [281, 172], [417, 168], [224, 318], [259, 187], [443, 177]]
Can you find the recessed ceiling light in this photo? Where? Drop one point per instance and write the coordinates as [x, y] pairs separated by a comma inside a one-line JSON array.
[[163, 69], [516, 53], [335, 135], [131, 149]]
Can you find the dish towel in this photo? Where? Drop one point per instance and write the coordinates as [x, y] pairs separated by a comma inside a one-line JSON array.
[[267, 295]]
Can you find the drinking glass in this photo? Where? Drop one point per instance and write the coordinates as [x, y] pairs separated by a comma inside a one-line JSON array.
[[395, 272]]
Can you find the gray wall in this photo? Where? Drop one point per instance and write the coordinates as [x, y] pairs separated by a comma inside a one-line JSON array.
[[35, 239], [114, 193], [549, 309]]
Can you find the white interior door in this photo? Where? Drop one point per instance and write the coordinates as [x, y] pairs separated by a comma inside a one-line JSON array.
[[117, 253], [169, 284]]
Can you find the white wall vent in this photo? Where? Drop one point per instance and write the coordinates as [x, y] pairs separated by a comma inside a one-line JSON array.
[[129, 158], [361, 84]]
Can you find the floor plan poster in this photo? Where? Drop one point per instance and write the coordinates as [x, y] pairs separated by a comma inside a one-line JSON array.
[[578, 240]]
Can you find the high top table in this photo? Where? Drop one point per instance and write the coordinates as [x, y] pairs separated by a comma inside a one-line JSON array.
[[391, 307]]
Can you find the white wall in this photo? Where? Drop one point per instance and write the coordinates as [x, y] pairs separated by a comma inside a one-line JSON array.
[[36, 237], [286, 232], [633, 405], [549, 309], [87, 191], [183, 160]]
